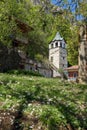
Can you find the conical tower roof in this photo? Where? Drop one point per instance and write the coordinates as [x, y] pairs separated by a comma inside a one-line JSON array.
[[57, 37]]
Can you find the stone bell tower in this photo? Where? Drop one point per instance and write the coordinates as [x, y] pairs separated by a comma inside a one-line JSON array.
[[58, 53], [83, 54]]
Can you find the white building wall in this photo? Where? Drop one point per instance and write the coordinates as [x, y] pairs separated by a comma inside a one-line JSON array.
[[55, 54], [58, 56], [56, 73], [63, 58]]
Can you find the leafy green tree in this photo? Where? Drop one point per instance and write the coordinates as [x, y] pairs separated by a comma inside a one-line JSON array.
[[45, 25], [35, 16], [9, 12]]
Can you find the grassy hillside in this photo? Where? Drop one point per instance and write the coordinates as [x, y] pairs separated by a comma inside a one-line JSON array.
[[37, 103]]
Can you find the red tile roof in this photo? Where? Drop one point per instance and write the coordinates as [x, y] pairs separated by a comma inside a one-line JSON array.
[[75, 67]]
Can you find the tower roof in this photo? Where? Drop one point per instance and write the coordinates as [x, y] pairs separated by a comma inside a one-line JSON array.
[[57, 37]]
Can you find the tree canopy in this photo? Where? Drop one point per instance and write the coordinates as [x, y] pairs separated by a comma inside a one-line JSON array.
[[45, 19]]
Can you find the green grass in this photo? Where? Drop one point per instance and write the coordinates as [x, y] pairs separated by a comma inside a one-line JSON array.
[[48, 104]]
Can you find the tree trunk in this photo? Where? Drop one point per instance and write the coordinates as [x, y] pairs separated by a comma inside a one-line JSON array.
[[83, 54]]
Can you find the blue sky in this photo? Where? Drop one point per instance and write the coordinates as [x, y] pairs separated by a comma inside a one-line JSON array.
[[72, 5], [55, 1]]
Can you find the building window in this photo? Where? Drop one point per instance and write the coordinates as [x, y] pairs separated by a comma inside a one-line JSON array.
[[56, 44], [52, 45], [63, 45], [75, 74], [51, 58], [70, 74], [63, 58], [60, 44], [31, 68]]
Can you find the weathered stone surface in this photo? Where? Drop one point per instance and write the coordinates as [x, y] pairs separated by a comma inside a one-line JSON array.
[[9, 59]]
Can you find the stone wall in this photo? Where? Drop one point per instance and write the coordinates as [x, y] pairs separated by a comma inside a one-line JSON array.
[[43, 68], [9, 59]]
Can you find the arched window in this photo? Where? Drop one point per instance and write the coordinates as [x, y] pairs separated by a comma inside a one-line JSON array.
[[63, 58], [56, 44], [63, 45], [60, 44], [52, 45]]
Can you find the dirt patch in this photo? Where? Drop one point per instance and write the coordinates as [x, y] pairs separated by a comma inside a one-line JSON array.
[[6, 120]]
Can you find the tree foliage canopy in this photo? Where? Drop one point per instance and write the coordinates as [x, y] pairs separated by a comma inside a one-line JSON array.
[[44, 22]]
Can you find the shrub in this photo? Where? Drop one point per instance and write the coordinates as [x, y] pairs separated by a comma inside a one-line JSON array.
[[24, 72]]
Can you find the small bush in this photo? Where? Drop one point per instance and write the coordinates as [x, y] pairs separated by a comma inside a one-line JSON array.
[[24, 72]]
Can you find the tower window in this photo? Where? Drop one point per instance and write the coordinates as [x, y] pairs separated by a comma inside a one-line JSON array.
[[60, 44], [63, 65], [51, 45], [63, 45], [63, 58], [51, 58], [56, 44]]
